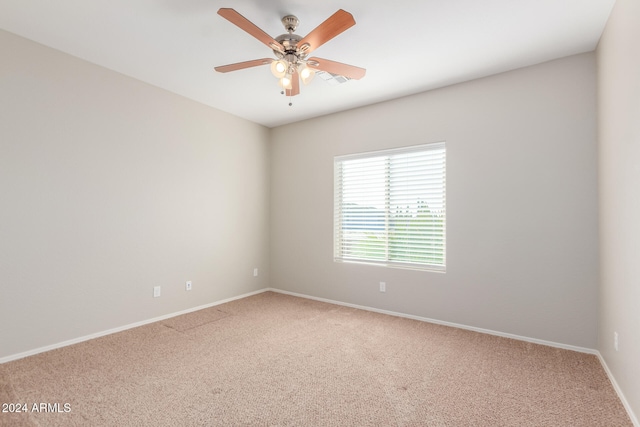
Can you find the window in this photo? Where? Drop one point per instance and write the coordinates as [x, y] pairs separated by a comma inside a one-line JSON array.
[[389, 207]]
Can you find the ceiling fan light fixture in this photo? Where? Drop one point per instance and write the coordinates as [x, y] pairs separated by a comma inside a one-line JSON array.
[[306, 74], [285, 82], [279, 68]]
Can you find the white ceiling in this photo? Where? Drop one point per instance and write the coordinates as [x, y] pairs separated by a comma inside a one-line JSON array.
[[407, 46]]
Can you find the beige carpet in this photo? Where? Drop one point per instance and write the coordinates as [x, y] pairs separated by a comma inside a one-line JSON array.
[[277, 360]]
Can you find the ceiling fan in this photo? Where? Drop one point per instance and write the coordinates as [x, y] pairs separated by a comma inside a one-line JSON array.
[[291, 64]]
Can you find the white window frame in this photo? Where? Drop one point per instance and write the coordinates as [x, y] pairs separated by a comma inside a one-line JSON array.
[[379, 182]]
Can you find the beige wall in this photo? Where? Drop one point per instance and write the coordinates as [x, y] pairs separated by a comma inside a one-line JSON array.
[[109, 187], [522, 239], [619, 179]]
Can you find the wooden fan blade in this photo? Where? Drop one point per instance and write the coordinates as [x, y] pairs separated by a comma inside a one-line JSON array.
[[334, 25], [339, 68], [243, 65], [295, 85], [248, 26]]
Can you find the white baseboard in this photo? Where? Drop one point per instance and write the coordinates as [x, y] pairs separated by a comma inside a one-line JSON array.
[[121, 328], [440, 322], [634, 419], [361, 307], [623, 399], [616, 387]]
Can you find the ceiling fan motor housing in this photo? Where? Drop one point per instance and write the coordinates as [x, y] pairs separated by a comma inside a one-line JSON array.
[[290, 44]]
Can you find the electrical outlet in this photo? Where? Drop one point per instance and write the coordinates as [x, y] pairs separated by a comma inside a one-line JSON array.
[[156, 291], [383, 287], [255, 272], [615, 341], [187, 286]]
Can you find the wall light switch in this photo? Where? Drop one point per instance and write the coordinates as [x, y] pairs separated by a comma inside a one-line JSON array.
[[383, 287], [156, 291], [255, 272], [187, 286]]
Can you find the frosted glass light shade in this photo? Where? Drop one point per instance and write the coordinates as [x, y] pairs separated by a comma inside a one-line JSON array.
[[279, 68], [285, 82], [306, 74]]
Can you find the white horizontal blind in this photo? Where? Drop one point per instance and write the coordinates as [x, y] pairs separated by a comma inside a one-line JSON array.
[[389, 207]]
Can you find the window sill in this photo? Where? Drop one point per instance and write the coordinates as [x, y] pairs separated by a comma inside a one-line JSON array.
[[402, 266]]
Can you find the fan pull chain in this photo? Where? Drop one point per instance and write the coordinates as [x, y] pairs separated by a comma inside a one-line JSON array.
[[290, 102]]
